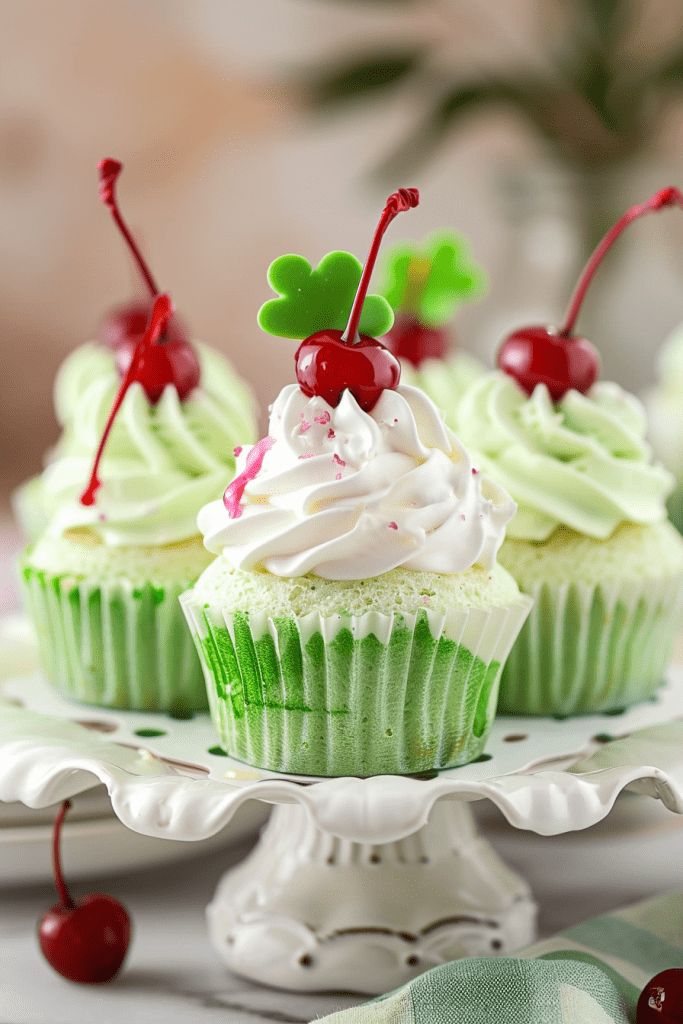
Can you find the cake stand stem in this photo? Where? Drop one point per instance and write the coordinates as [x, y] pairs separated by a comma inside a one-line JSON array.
[[312, 912]]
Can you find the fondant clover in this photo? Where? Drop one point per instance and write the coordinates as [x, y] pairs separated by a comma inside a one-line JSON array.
[[432, 280], [315, 300]]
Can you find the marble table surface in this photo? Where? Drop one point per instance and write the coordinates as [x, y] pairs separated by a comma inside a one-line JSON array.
[[172, 974]]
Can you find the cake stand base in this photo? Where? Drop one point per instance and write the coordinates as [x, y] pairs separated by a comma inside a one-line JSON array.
[[313, 912]]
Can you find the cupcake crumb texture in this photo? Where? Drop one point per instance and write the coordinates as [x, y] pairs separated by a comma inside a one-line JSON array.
[[402, 590]]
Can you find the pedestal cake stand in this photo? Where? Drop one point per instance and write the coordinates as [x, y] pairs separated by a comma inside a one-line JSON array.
[[356, 884]]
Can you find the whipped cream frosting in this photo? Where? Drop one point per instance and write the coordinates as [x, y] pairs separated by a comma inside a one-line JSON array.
[[346, 494], [583, 463], [162, 462]]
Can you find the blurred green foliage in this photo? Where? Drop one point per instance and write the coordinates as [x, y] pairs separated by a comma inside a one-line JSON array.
[[595, 107]]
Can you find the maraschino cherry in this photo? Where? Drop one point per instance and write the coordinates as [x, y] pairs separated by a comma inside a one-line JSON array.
[[330, 361], [410, 338], [84, 941], [149, 366], [125, 325], [558, 358], [661, 1001], [414, 341]]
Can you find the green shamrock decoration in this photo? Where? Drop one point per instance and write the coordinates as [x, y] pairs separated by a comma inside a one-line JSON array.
[[432, 280], [315, 300]]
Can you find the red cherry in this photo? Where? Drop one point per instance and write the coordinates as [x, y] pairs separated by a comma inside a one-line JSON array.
[[661, 1001], [330, 361], [171, 361], [326, 366], [539, 355], [557, 358], [153, 365], [128, 322], [414, 341], [123, 328], [85, 941]]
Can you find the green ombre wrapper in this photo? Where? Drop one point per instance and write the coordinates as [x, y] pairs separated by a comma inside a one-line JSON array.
[[115, 642], [603, 623], [590, 649], [371, 694]]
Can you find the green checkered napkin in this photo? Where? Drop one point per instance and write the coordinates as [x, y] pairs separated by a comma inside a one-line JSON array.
[[591, 974]]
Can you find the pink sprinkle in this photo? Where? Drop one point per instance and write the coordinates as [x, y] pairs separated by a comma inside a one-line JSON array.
[[338, 476], [392, 526], [307, 455], [101, 517], [474, 471], [463, 518], [340, 462], [322, 418], [305, 425], [235, 490], [395, 419], [236, 451], [331, 433], [425, 599]]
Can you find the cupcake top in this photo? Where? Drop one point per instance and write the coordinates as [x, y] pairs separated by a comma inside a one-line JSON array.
[[163, 460], [581, 463], [348, 494]]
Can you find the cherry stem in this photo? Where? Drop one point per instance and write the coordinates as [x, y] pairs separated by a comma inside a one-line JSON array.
[[62, 891], [399, 201], [161, 314], [109, 172], [665, 197]]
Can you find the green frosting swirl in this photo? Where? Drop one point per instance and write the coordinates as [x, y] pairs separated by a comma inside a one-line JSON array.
[[444, 380], [162, 462], [582, 463]]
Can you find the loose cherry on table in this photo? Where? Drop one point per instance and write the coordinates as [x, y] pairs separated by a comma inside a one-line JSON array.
[[174, 360], [661, 1001], [558, 358], [414, 341], [84, 941], [330, 361]]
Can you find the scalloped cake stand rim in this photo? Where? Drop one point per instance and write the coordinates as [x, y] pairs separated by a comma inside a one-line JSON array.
[[47, 757]]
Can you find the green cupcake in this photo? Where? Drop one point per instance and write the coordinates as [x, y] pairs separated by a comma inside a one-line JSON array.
[[355, 621], [589, 542], [102, 582]]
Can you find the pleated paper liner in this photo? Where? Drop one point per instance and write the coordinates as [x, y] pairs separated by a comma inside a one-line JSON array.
[[592, 648], [353, 695], [115, 644]]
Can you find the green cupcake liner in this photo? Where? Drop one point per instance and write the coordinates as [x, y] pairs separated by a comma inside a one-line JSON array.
[[353, 695], [115, 644], [592, 648]]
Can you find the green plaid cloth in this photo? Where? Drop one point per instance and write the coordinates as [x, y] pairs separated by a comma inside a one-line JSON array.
[[590, 974]]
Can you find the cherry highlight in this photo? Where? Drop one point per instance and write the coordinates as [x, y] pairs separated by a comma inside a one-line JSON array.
[[161, 314]]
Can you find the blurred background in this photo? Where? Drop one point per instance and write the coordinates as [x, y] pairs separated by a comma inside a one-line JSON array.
[[250, 130]]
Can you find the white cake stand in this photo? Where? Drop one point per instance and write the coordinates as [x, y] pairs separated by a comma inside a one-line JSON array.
[[356, 884]]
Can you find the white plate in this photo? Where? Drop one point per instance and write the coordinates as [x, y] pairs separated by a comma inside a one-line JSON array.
[[103, 846], [94, 842]]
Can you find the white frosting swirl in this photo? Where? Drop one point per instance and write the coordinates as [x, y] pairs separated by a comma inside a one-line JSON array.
[[346, 494]]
